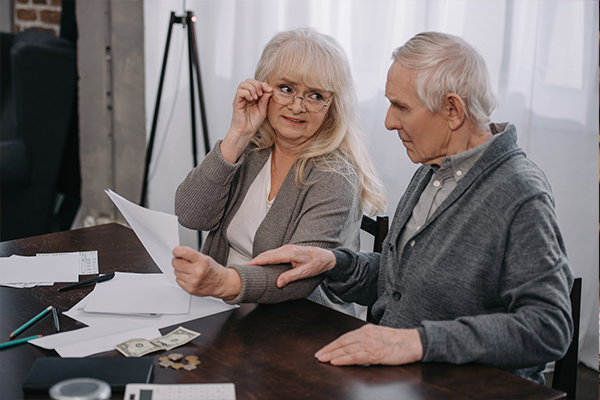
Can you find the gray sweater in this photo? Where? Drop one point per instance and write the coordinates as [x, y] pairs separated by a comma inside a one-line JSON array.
[[324, 213], [486, 279]]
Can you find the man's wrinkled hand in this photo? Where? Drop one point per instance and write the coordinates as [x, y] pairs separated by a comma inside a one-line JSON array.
[[374, 344], [306, 262]]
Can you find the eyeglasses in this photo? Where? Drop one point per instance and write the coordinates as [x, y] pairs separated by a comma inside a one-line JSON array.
[[310, 105]]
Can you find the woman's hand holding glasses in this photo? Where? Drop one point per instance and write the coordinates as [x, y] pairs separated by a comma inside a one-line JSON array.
[[249, 111]]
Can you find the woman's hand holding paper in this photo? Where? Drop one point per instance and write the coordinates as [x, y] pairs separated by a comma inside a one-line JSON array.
[[200, 275]]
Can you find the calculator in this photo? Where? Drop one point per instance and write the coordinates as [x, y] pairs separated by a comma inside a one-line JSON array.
[[196, 391]]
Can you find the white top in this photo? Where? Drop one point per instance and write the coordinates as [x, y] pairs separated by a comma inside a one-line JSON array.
[[245, 223]]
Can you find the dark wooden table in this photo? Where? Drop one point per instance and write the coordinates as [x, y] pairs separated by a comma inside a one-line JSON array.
[[265, 350]]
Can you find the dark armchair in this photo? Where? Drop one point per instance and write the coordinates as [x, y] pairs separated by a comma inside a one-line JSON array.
[[38, 86]]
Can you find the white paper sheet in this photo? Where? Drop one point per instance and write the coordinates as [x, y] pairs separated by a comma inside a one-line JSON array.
[[158, 232], [199, 307], [130, 293], [26, 285], [88, 260], [92, 340], [19, 269], [88, 265]]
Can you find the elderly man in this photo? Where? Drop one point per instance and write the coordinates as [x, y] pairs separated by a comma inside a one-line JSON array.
[[474, 267]]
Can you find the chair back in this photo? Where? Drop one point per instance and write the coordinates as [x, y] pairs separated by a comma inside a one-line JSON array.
[[379, 229], [565, 369], [38, 100]]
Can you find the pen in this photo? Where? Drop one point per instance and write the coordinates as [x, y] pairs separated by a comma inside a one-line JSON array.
[[13, 342], [99, 279], [55, 319], [31, 321]]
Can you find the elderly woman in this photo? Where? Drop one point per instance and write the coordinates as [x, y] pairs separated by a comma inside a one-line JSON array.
[[292, 169]]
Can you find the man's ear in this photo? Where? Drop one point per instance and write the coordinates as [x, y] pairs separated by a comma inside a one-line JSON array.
[[454, 108]]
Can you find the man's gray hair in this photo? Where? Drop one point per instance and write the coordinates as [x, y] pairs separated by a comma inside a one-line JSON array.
[[448, 64]]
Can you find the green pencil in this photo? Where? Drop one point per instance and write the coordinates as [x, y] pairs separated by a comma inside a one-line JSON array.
[[13, 342], [31, 321]]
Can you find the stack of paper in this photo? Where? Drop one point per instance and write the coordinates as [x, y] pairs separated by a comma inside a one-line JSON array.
[[144, 294], [134, 305], [46, 268]]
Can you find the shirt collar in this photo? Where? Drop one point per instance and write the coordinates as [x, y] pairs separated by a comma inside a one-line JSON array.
[[459, 164]]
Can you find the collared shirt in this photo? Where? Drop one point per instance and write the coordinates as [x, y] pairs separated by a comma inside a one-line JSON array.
[[443, 181]]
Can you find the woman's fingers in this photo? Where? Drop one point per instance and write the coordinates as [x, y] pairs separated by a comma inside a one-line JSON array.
[[250, 106], [252, 90], [187, 253]]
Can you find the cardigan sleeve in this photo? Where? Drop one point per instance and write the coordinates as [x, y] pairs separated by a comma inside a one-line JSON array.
[[200, 200], [259, 285], [534, 287], [329, 217], [354, 277]]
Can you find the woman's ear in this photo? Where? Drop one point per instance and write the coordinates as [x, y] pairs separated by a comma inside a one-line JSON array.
[[454, 108]]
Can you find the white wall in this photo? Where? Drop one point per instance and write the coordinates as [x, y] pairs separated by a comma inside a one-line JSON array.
[[543, 58]]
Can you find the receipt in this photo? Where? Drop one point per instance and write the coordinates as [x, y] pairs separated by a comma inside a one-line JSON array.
[[88, 261]]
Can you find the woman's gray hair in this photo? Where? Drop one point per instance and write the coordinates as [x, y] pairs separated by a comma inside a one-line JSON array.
[[306, 56], [446, 64]]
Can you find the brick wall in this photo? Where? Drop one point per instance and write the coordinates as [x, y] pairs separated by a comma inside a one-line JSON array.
[[41, 15]]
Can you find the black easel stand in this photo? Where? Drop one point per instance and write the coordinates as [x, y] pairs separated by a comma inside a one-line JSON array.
[[188, 22]]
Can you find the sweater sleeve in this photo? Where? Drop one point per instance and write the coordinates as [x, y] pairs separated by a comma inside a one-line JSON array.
[[200, 200], [354, 277], [534, 288], [329, 217], [259, 285]]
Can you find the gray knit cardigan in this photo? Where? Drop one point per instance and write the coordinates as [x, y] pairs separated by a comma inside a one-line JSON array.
[[323, 213]]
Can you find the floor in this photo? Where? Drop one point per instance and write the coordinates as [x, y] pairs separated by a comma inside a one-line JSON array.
[[586, 383]]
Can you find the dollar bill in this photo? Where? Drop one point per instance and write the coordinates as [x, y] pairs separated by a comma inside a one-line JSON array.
[[137, 347], [178, 337], [141, 347]]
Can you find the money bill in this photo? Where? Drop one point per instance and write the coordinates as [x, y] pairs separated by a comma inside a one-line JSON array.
[[178, 337], [137, 347], [141, 347]]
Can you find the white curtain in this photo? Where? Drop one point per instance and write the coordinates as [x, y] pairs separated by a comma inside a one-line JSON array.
[[543, 58]]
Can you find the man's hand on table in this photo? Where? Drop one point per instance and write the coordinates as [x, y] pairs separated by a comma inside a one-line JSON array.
[[200, 275], [374, 344], [371, 344], [306, 262]]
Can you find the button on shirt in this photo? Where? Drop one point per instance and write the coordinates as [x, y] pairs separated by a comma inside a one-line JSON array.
[[443, 181]]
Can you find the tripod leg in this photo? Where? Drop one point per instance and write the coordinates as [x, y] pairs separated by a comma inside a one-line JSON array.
[[191, 62], [196, 62], [192, 94], [156, 109], [192, 19]]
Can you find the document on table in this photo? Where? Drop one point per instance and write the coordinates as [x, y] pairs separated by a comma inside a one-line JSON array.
[[93, 340], [199, 307], [88, 260], [19, 269], [104, 331], [129, 293], [87, 265], [158, 232]]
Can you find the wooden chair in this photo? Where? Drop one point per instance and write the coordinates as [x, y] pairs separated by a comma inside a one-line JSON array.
[[565, 369], [379, 229]]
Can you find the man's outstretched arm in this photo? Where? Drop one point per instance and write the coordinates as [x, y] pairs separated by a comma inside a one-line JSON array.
[[306, 262]]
